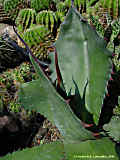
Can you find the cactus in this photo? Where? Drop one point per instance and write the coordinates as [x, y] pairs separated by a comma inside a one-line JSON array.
[[110, 6], [50, 20], [26, 18], [39, 5], [12, 7]]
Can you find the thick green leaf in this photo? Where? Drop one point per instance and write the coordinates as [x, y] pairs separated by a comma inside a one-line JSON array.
[[82, 56], [55, 76], [41, 96], [52, 68], [113, 128], [92, 150], [78, 105], [43, 152]]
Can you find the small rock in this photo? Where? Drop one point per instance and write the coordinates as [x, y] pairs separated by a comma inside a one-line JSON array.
[[9, 29]]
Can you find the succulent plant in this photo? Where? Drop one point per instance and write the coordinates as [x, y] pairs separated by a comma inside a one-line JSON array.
[[74, 96]]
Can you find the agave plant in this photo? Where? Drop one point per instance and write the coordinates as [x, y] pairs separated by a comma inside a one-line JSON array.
[[73, 96]]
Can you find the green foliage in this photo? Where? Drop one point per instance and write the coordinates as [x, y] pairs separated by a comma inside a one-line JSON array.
[[116, 62], [10, 4], [14, 107], [79, 2], [80, 71], [96, 149], [52, 68], [95, 23], [27, 91], [117, 110], [12, 7], [50, 19], [92, 2], [35, 35], [86, 53], [116, 27], [43, 152], [26, 18], [36, 28], [39, 5], [1, 1], [10, 81], [50, 15], [113, 128], [90, 56], [53, 107], [61, 7], [38, 39], [110, 6]]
